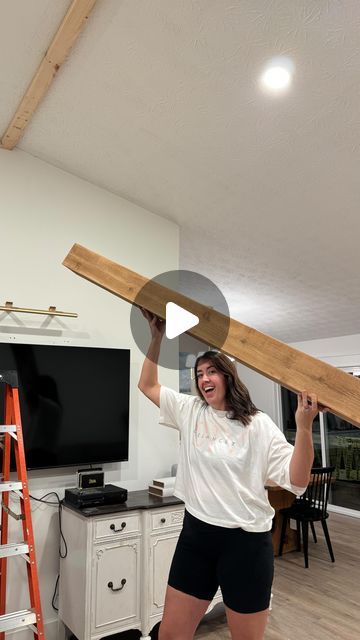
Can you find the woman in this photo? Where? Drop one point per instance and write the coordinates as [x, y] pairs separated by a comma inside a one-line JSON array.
[[229, 451]]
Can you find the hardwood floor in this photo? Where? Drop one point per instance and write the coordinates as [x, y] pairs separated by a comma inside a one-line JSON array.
[[321, 602]]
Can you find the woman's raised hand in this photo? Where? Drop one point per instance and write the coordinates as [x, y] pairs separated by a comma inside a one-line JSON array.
[[307, 410], [156, 324]]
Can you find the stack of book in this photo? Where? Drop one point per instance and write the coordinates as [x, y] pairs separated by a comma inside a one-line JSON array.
[[162, 487]]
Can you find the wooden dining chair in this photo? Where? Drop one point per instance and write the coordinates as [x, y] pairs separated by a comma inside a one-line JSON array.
[[309, 508]]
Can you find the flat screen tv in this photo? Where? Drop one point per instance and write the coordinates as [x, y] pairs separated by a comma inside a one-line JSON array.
[[74, 403]]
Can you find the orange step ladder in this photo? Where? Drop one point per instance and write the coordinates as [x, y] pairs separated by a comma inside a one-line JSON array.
[[11, 434]]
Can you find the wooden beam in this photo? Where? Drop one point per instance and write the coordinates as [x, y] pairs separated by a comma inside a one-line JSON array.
[[71, 26], [285, 365]]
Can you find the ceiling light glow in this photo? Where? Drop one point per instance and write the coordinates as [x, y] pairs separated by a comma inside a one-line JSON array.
[[277, 75]]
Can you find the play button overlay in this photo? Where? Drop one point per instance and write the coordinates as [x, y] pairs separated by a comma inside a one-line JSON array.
[[178, 320], [176, 343]]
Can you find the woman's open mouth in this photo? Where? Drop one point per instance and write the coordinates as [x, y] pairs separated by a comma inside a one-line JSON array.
[[208, 390]]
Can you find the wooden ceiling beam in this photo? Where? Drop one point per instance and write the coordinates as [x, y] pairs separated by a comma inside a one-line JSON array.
[[70, 28], [287, 366]]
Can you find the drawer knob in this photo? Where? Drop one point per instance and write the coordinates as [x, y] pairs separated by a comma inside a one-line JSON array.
[[163, 520], [111, 585], [122, 527]]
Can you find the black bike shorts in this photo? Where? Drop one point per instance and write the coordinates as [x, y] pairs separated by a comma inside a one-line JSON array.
[[240, 562]]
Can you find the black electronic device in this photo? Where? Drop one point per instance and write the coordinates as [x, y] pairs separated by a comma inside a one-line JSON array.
[[110, 494], [90, 479], [74, 403]]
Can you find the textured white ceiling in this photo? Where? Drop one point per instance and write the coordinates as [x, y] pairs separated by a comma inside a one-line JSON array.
[[160, 103]]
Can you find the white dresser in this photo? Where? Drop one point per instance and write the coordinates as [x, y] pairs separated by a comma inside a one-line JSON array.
[[115, 573]]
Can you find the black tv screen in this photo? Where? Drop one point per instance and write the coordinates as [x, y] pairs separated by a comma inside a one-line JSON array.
[[74, 403]]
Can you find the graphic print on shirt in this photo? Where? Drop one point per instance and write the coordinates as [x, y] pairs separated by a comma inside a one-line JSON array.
[[216, 438]]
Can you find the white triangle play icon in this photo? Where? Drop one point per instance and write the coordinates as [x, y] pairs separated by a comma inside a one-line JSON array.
[[178, 320]]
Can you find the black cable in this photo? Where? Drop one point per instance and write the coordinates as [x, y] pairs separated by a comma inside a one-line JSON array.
[[55, 504], [58, 504], [55, 594]]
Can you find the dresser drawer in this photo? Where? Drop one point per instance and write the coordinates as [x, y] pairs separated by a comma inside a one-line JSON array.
[[167, 519], [118, 526]]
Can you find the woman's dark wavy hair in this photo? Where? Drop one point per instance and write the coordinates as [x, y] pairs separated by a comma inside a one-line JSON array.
[[238, 402]]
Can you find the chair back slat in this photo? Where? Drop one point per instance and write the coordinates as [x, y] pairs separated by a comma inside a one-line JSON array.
[[316, 495]]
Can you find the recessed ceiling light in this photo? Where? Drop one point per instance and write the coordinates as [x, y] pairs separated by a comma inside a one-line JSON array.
[[277, 75]]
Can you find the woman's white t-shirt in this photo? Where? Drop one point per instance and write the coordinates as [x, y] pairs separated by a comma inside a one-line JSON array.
[[224, 465]]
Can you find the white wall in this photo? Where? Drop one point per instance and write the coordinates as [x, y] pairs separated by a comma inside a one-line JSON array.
[[43, 211], [342, 351]]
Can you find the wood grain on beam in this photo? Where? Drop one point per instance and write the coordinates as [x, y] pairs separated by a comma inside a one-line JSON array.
[[285, 365], [71, 26]]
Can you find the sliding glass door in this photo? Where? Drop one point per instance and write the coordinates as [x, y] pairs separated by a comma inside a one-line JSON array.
[[337, 444], [342, 449]]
